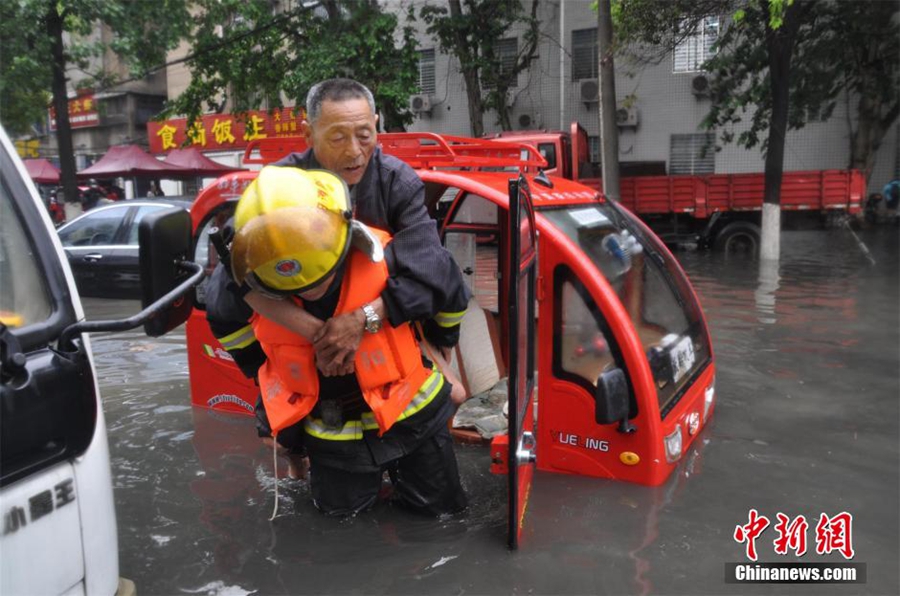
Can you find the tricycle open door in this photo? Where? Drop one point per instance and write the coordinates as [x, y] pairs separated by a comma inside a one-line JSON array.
[[522, 356]]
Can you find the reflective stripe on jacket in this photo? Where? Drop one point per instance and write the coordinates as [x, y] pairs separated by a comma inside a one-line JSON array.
[[353, 429], [388, 364], [238, 340]]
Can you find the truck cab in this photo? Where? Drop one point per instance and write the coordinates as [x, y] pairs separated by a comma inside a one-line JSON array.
[[567, 154], [604, 341], [56, 494]]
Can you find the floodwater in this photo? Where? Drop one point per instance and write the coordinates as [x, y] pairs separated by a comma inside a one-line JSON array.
[[807, 422]]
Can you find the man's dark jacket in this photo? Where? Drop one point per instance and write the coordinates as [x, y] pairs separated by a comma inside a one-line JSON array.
[[424, 279]]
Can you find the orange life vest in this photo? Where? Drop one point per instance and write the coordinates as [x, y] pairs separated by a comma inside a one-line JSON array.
[[388, 364]]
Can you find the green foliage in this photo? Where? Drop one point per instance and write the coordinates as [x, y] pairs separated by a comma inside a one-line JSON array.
[[142, 32], [840, 46], [470, 30], [244, 53], [650, 28], [24, 76]]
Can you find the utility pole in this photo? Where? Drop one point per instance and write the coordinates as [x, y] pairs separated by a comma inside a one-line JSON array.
[[609, 132]]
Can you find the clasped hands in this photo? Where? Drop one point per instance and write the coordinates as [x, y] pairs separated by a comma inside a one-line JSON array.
[[336, 342]]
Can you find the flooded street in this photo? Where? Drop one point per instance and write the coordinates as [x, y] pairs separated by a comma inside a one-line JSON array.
[[807, 421]]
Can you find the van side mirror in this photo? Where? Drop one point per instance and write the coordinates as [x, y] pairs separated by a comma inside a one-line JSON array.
[[165, 241], [167, 278], [611, 399]]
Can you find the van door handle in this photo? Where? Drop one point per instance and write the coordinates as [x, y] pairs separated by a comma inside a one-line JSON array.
[[93, 257]]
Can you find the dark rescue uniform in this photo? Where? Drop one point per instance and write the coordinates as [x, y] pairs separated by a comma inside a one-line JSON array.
[[346, 476]]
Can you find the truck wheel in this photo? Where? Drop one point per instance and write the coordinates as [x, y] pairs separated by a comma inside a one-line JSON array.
[[738, 237]]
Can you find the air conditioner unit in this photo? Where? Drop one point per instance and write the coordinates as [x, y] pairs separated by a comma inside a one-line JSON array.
[[626, 116], [700, 86], [589, 91], [420, 103], [525, 121]]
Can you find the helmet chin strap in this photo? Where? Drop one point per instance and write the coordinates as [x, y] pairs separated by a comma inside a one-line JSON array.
[[258, 286], [362, 238]]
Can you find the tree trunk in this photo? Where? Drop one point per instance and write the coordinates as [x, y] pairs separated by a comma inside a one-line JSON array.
[[870, 130], [780, 46], [61, 105], [609, 130], [470, 75], [503, 116], [476, 110]]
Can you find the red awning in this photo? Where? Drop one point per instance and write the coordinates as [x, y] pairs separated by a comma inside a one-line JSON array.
[[198, 164], [42, 171], [130, 161]]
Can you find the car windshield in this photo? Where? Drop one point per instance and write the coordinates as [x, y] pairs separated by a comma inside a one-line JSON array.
[[94, 229], [651, 287]]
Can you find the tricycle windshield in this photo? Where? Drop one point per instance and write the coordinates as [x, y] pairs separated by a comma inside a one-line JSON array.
[[651, 287]]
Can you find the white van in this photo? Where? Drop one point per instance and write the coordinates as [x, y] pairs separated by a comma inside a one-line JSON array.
[[56, 496]]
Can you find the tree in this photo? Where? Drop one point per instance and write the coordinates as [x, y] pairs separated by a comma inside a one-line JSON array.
[[779, 61], [40, 40], [245, 53], [866, 46], [844, 51], [470, 30]]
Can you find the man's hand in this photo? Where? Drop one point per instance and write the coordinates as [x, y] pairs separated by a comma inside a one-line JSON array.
[[298, 466], [337, 341]]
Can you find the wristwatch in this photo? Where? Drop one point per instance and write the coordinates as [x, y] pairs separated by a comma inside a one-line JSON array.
[[373, 321]]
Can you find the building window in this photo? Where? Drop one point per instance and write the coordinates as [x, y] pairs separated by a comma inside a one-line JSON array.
[[594, 148], [426, 71], [114, 106], [584, 54], [697, 47], [692, 154], [508, 53]]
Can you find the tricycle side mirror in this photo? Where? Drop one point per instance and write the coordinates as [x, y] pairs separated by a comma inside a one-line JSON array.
[[611, 399], [165, 241]]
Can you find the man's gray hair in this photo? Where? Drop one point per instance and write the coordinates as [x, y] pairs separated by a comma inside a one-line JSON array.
[[335, 90]]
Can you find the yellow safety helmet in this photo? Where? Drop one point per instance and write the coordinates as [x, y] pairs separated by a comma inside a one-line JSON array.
[[292, 229]]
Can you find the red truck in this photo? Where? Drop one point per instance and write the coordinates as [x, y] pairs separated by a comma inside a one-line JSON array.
[[720, 211]]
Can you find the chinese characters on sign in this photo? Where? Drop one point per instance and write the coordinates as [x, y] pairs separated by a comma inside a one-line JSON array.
[[832, 534], [82, 112], [29, 148], [215, 132]]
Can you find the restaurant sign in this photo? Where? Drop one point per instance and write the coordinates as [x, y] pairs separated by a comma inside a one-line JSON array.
[[82, 111], [218, 132]]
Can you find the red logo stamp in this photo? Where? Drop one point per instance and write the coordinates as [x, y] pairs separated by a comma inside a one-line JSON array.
[[287, 267], [833, 533]]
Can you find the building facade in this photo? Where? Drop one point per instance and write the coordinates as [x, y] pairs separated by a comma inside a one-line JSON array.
[[660, 106], [101, 118]]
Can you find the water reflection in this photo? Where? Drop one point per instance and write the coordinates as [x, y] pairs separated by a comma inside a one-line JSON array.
[[765, 293]]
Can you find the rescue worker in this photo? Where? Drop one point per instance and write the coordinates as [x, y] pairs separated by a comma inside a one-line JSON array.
[[340, 130], [295, 240]]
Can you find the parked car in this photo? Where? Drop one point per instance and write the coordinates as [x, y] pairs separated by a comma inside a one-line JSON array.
[[102, 246]]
